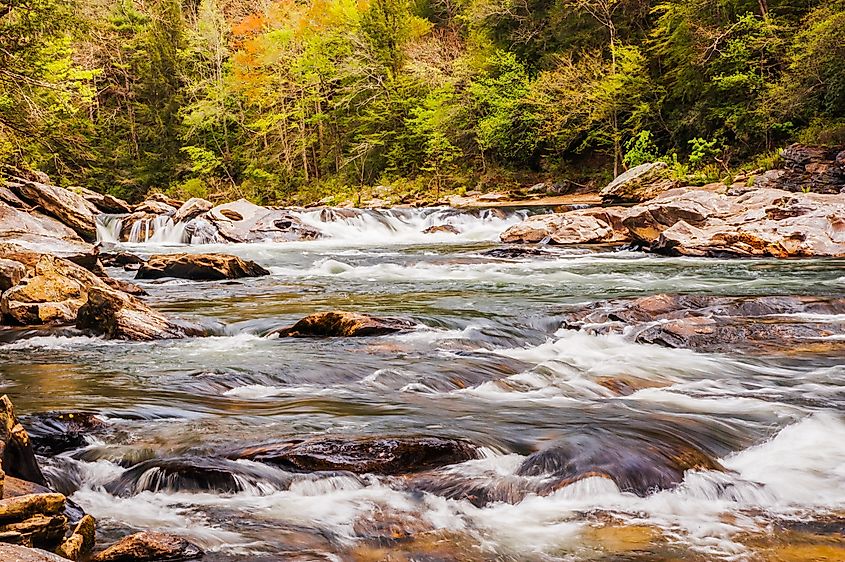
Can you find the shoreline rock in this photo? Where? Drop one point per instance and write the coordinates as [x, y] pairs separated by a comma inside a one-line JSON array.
[[199, 267]]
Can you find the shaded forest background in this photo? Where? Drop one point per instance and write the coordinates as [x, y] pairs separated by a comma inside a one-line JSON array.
[[296, 101]]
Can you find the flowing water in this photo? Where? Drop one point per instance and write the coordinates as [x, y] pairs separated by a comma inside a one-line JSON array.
[[488, 363]]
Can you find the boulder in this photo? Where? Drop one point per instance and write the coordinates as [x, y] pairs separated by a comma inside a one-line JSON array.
[[150, 547], [53, 294], [38, 232], [362, 455], [191, 209], [17, 457], [26, 506], [11, 273], [242, 221], [816, 169], [581, 226], [154, 208], [117, 315], [718, 324], [104, 202], [342, 324], [66, 206], [80, 541], [199, 267], [16, 553], [52, 433], [442, 228], [638, 184]]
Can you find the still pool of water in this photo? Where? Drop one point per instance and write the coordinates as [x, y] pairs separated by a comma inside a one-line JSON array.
[[488, 363]]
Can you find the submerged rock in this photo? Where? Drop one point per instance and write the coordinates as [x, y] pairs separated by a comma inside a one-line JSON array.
[[581, 226], [442, 228], [342, 324], [117, 315], [52, 433], [516, 252], [242, 221], [150, 547], [199, 267], [708, 323], [361, 455], [638, 184], [71, 209]]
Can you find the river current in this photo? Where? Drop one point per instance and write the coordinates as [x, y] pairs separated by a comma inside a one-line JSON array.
[[488, 362]]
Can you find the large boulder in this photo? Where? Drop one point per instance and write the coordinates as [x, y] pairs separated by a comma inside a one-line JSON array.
[[362, 455], [719, 324], [638, 184], [38, 232], [104, 202], [150, 547], [342, 324], [199, 267], [581, 226], [192, 208], [68, 207], [816, 169], [117, 315], [53, 295], [242, 221]]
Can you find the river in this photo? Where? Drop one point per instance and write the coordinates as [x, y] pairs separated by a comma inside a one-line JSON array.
[[488, 363]]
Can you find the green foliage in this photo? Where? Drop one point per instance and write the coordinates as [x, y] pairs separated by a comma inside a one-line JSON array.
[[641, 149], [702, 151]]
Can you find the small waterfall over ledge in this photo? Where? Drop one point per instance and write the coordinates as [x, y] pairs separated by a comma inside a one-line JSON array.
[[157, 230]]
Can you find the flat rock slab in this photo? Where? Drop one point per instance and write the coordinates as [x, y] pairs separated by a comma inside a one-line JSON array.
[[343, 324], [15, 553], [362, 455], [708, 323], [199, 267], [150, 547]]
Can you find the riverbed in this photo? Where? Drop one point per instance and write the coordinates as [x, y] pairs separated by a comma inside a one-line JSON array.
[[487, 362]]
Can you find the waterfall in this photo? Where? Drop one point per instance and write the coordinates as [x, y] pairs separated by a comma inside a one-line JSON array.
[[109, 227]]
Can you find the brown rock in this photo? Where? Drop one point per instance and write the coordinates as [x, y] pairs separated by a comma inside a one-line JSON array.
[[377, 455], [242, 221], [581, 226], [343, 324], [104, 202], [53, 294], [16, 455], [117, 315], [199, 267], [638, 184], [149, 547], [15, 553], [52, 433], [816, 169], [23, 507], [192, 208], [11, 273], [43, 531], [442, 228], [66, 206], [80, 541], [708, 323]]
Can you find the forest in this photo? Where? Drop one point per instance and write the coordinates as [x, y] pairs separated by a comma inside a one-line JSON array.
[[301, 101]]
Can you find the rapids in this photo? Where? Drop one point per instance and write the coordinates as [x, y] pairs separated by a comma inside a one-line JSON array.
[[488, 363]]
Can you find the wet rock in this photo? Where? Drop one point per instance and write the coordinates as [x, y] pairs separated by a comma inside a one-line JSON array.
[[343, 324], [516, 252], [333, 214], [52, 433], [242, 221], [43, 531], [191, 474], [117, 315], [361, 455], [66, 206], [120, 259], [816, 169], [125, 286], [199, 267], [80, 541], [26, 506], [104, 202], [442, 228], [638, 184], [15, 553], [36, 231], [53, 294], [709, 323], [201, 231], [634, 465], [191, 209], [143, 225], [581, 226], [11, 273], [17, 458], [150, 547]]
